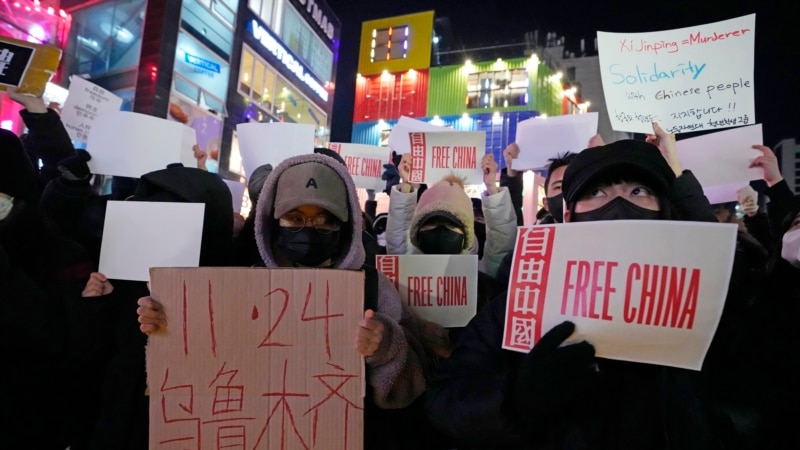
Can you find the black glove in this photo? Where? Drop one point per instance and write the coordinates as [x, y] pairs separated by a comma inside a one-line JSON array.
[[74, 167], [391, 176], [551, 377]]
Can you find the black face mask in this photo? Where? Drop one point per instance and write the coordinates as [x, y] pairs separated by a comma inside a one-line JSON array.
[[617, 209], [441, 241], [555, 206], [308, 247]]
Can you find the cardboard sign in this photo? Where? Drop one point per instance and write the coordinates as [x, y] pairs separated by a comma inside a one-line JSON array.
[[237, 194], [686, 79], [256, 359], [271, 143], [720, 160], [436, 155], [642, 291], [27, 66], [540, 139], [85, 101], [398, 137], [141, 235], [438, 288], [364, 162], [131, 144]]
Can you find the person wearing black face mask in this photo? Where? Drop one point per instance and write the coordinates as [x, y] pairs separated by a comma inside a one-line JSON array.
[[441, 235], [554, 200]]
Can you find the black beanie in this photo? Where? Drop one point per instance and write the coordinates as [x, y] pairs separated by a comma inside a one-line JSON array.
[[17, 175]]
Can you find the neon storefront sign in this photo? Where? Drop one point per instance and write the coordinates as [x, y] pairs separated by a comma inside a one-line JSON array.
[[271, 43]]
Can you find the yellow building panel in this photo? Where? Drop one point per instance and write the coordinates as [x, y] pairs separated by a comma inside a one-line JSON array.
[[396, 44]]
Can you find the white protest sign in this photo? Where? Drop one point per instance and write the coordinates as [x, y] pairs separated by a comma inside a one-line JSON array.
[[436, 155], [438, 288], [131, 144], [689, 79], [398, 137], [85, 101], [271, 143], [237, 194], [720, 160], [364, 163], [540, 139], [141, 235], [642, 291]]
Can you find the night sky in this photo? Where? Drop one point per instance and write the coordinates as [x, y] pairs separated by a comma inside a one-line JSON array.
[[476, 23]]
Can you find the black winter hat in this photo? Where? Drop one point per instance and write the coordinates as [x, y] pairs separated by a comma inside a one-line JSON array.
[[17, 175], [626, 159]]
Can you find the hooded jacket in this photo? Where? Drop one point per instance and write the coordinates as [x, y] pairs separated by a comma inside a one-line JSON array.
[[405, 215], [395, 372]]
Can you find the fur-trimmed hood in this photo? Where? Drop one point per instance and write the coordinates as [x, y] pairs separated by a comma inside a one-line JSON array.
[[265, 227]]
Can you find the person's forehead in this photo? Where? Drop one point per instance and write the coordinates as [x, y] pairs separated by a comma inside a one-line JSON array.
[[558, 174], [310, 210]]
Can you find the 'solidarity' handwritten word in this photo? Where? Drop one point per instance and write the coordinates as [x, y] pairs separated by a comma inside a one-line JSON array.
[[657, 74]]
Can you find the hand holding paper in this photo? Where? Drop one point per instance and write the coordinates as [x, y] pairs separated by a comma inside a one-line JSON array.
[[32, 104], [748, 199], [151, 315], [97, 286], [666, 143], [769, 162], [509, 154], [489, 167], [370, 334]]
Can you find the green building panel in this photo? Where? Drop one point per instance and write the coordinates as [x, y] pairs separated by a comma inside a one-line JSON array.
[[447, 89]]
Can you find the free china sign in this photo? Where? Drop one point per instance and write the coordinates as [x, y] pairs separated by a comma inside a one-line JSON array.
[[271, 43]]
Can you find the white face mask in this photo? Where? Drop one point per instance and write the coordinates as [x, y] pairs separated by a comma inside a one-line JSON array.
[[791, 248], [6, 204]]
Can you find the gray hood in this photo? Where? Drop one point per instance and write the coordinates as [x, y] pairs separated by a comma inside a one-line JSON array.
[[266, 227]]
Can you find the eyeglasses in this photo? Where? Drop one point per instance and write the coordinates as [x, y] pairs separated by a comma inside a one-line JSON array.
[[322, 223]]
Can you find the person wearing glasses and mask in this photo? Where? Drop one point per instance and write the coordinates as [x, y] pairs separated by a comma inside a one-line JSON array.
[[308, 215]]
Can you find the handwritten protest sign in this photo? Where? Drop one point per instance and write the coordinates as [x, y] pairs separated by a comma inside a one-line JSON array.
[[721, 160], [256, 358], [27, 66], [141, 235], [237, 194], [364, 163], [540, 139], [630, 296], [439, 288], [271, 143], [686, 79], [398, 137], [131, 144], [85, 101], [436, 155]]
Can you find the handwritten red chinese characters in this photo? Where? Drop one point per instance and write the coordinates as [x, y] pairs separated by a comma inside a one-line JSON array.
[[256, 359]]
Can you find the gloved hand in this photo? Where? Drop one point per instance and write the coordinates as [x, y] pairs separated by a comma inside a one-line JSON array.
[[74, 167], [748, 199], [391, 176], [551, 377]]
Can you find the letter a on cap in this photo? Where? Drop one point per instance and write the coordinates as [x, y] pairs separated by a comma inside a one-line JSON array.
[[312, 182]]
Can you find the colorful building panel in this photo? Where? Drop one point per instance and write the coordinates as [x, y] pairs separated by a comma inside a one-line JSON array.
[[520, 84], [390, 95], [396, 44]]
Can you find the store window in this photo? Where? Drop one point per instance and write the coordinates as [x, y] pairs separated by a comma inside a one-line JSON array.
[[263, 9], [499, 89], [291, 106], [256, 80], [389, 43], [106, 38], [305, 43], [213, 19]]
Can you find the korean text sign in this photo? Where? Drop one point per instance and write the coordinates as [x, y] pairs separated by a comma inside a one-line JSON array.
[[642, 291], [256, 358], [689, 79], [436, 155], [438, 288]]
